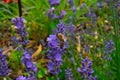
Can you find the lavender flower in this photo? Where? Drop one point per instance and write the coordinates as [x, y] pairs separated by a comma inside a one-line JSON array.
[[73, 8], [101, 4], [19, 23], [86, 70], [83, 6], [91, 15], [70, 31], [26, 58], [62, 14], [54, 2], [25, 78], [55, 55], [86, 48], [3, 65], [31, 78], [15, 41], [61, 27], [57, 47], [117, 4], [69, 75], [30, 66], [51, 11], [21, 78], [52, 42], [71, 2], [109, 47], [51, 14]]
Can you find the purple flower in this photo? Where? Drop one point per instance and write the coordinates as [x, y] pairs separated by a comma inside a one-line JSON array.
[[52, 41], [3, 64], [101, 4], [58, 57], [91, 15], [71, 2], [117, 5], [51, 14], [30, 66], [21, 78], [54, 2], [71, 31], [62, 14], [61, 27], [73, 8], [109, 47], [15, 41], [86, 70], [69, 75], [86, 48], [19, 23], [30, 78], [51, 66], [55, 52], [25, 78]]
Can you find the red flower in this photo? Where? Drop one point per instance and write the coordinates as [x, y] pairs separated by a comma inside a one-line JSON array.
[[9, 1]]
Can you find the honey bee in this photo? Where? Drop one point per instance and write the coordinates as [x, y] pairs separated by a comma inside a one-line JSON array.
[[61, 37]]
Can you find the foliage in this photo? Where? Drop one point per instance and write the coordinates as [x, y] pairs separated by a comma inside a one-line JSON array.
[[78, 30]]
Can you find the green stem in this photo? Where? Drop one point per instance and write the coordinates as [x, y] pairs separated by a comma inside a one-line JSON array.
[[116, 37]]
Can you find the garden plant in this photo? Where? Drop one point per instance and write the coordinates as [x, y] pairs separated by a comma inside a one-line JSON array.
[[60, 40]]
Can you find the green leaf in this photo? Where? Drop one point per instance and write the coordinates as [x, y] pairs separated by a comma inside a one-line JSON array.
[[41, 73], [50, 78]]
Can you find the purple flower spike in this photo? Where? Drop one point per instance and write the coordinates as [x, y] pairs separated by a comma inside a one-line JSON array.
[[62, 14], [3, 64], [69, 75], [71, 2], [51, 14], [56, 49], [21, 78], [109, 47], [18, 22], [86, 70], [31, 68], [15, 41], [54, 54], [61, 27], [52, 41], [74, 8], [54, 2]]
